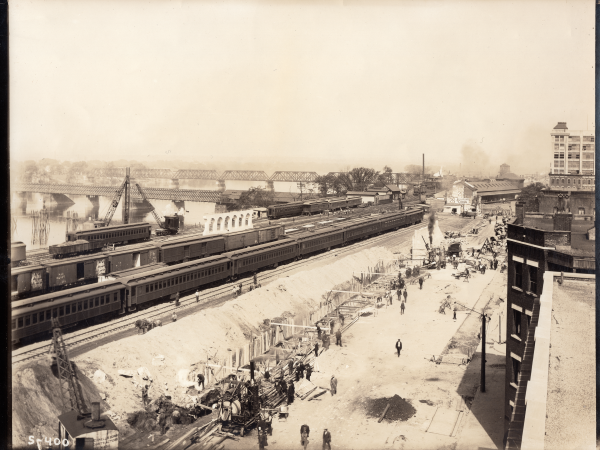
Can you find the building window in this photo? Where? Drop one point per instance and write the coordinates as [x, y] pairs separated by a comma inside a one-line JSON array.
[[516, 371], [581, 211], [516, 322], [533, 272], [518, 274], [568, 181]]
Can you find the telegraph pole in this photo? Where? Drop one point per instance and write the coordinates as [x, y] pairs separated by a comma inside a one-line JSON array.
[[483, 352], [127, 197]]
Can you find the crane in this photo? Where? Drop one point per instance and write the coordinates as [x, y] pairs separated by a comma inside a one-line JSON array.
[[114, 203], [70, 389], [162, 229]]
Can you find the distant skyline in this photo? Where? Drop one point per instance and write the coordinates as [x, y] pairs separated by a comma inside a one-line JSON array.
[[300, 86]]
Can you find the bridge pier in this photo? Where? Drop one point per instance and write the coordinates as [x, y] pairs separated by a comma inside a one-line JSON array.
[[222, 186], [175, 183], [95, 201], [21, 202], [271, 185]]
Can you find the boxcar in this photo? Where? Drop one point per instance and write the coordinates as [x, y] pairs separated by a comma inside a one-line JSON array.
[[240, 239], [255, 258], [314, 241], [270, 233], [353, 202], [28, 280], [162, 283], [285, 210], [113, 234], [32, 317], [17, 253], [185, 249], [79, 270], [70, 248]]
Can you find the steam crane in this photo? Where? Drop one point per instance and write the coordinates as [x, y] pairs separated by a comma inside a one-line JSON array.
[[79, 428], [114, 203], [169, 226]]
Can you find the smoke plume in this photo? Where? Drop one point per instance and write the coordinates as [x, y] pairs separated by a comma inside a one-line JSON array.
[[430, 226], [475, 161]]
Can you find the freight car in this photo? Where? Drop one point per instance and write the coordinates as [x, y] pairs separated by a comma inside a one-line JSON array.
[[315, 207], [160, 283], [353, 202]]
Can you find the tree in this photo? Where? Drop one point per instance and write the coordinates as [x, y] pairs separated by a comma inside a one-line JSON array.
[[255, 197], [358, 179], [307, 190], [416, 169], [329, 185], [530, 195], [31, 171]]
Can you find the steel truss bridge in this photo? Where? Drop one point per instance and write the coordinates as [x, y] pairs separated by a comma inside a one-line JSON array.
[[108, 191]]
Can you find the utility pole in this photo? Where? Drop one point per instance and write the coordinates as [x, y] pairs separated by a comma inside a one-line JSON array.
[[483, 317], [127, 197]]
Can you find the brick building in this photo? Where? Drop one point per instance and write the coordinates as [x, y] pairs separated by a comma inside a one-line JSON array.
[[536, 246]]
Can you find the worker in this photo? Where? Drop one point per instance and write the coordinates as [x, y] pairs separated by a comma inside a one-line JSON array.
[[255, 280], [308, 372], [399, 347], [235, 291], [262, 439], [342, 319], [176, 415], [333, 384], [402, 308], [291, 391], [326, 341], [241, 289], [197, 296], [145, 395], [454, 316], [174, 317], [338, 338], [420, 282], [405, 294], [304, 432], [177, 299], [291, 366], [316, 350], [267, 374], [201, 381], [162, 421], [318, 331], [300, 369], [326, 440]]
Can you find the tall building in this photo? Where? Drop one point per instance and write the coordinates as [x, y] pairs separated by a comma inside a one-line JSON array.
[[540, 249], [571, 172]]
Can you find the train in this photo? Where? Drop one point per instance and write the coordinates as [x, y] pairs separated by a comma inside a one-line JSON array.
[[129, 292], [310, 207], [54, 275]]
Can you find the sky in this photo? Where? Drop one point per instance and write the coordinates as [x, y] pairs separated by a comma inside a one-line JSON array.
[[311, 85]]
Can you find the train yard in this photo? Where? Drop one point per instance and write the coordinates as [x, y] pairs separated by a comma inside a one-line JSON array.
[[206, 297]]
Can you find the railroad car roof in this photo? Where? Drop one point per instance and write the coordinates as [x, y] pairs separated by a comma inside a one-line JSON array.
[[286, 204], [285, 241], [76, 259], [60, 297], [189, 240], [357, 222], [315, 234], [25, 269], [70, 243], [237, 233], [173, 270], [115, 227], [137, 270], [122, 251]]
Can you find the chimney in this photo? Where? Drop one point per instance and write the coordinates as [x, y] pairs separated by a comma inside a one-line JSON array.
[[95, 411], [520, 211], [562, 222]]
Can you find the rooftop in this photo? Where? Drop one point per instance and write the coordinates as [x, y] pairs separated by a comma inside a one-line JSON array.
[[561, 126], [485, 186], [572, 371], [580, 244]]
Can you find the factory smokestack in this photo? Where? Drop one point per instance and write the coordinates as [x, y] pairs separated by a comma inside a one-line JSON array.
[[430, 226], [423, 165]]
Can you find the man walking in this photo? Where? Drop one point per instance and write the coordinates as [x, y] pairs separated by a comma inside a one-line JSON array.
[[338, 338], [316, 350], [342, 319], [420, 282], [145, 395], [291, 366], [454, 316], [291, 391], [399, 347], [197, 296], [406, 295], [304, 432], [308, 372], [333, 384], [402, 308], [201, 380], [326, 440]]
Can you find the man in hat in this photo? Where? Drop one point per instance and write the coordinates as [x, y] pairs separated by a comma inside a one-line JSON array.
[[291, 391], [145, 395], [338, 337], [197, 296], [405, 294], [401, 308], [326, 440], [421, 282], [308, 371], [399, 347], [304, 432], [201, 380], [316, 349], [291, 366], [333, 383]]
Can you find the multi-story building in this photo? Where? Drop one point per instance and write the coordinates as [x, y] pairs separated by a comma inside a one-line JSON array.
[[538, 247], [571, 172]]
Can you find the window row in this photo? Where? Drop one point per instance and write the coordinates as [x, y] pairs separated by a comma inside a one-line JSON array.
[[181, 279], [575, 181], [324, 240], [61, 311], [114, 234], [525, 277], [266, 257]]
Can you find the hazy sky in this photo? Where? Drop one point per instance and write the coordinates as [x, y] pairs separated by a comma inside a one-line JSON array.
[[300, 85]]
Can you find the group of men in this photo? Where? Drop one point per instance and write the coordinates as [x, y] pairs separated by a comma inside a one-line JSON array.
[[305, 432]]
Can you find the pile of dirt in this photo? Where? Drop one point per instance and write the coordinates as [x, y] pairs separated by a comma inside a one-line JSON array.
[[399, 409]]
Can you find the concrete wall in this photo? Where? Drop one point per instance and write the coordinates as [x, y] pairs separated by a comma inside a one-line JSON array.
[[578, 199], [227, 222]]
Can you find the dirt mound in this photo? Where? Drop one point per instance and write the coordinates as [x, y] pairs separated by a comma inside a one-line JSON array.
[[399, 409]]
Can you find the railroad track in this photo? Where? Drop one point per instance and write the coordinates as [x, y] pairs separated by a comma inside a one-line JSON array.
[[206, 295]]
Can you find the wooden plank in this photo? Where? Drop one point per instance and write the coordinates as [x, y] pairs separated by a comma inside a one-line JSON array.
[[384, 413]]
